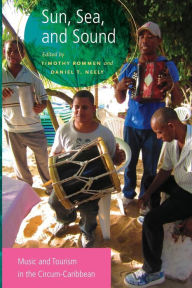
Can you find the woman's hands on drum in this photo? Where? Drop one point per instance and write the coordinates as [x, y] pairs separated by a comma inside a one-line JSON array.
[[119, 156]]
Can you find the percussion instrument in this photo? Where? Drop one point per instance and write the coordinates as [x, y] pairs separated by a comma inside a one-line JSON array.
[[26, 97], [147, 75], [83, 175]]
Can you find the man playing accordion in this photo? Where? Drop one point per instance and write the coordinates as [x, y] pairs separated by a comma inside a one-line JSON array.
[[146, 95]]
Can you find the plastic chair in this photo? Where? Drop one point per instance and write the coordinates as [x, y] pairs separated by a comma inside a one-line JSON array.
[[184, 113], [104, 203], [116, 125], [113, 122]]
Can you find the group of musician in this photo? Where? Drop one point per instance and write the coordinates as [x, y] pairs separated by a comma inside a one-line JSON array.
[[148, 123]]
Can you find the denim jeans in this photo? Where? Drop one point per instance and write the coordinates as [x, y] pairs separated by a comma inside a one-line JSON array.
[[88, 213], [147, 142]]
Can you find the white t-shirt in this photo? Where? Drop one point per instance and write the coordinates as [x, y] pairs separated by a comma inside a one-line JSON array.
[[13, 119], [180, 163], [67, 138]]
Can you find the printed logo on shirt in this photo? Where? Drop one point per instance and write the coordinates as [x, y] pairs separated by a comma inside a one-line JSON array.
[[80, 142]]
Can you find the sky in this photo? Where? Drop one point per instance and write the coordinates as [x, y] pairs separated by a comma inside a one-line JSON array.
[[15, 18]]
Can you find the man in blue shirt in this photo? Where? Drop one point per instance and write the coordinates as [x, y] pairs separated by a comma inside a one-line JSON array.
[[137, 129]]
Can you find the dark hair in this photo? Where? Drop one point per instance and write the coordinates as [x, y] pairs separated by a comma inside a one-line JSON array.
[[165, 115], [84, 94], [17, 42]]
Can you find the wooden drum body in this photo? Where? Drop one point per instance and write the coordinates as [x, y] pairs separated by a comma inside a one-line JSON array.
[[83, 175]]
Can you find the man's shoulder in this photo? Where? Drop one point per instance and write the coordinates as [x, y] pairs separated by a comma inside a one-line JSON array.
[[64, 127], [189, 134], [128, 69], [23, 70], [27, 71], [131, 65], [105, 130], [102, 127], [4, 69], [4, 73], [162, 58], [167, 61]]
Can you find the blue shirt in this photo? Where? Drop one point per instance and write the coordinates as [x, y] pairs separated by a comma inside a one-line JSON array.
[[139, 114]]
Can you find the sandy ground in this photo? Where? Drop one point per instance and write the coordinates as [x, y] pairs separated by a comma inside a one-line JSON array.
[[38, 228]]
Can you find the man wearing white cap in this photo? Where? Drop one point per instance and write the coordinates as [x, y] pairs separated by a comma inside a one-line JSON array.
[[137, 129]]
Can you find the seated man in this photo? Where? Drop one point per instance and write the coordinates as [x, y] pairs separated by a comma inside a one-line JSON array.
[[177, 158], [72, 136]]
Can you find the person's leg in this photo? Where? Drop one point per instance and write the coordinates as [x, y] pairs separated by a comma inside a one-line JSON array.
[[176, 207], [37, 142], [88, 222], [16, 143], [152, 238], [151, 148], [63, 215], [88, 213], [155, 198], [132, 139]]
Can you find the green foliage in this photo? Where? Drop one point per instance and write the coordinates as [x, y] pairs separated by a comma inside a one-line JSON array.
[[25, 6], [6, 35], [3, 2], [174, 19]]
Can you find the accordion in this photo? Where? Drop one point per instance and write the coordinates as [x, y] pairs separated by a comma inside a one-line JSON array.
[[147, 87]]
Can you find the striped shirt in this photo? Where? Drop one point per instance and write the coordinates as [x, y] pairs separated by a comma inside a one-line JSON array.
[[12, 114], [180, 163]]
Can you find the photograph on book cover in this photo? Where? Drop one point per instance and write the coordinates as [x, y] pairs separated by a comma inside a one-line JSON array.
[[81, 81]]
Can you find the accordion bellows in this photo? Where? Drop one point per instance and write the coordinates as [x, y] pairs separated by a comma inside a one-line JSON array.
[[147, 75]]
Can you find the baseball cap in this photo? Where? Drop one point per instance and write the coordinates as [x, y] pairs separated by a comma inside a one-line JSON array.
[[152, 27]]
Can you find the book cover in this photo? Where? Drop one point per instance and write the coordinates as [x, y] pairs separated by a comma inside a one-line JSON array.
[[72, 45], [77, 45]]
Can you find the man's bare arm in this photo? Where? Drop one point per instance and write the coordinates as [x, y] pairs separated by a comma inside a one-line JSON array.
[[176, 95], [121, 89], [160, 178]]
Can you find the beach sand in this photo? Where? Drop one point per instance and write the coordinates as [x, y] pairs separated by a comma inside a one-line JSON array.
[[38, 228]]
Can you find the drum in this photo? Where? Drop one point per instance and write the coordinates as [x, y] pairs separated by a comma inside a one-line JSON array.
[[83, 175], [147, 88]]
